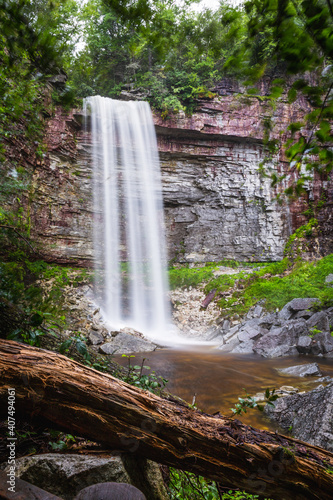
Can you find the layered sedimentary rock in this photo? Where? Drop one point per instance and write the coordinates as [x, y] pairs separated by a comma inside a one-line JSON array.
[[218, 202]]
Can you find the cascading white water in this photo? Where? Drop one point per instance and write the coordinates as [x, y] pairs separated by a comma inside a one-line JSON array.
[[129, 242]]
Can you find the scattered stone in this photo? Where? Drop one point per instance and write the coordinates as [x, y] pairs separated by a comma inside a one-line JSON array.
[[288, 389], [215, 334], [187, 304], [322, 341], [95, 338], [125, 343], [308, 370], [309, 416], [231, 333], [329, 278], [258, 311], [232, 344], [226, 325]]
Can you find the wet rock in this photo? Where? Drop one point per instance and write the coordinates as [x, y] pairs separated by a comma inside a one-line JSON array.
[[231, 333], [215, 335], [95, 338], [287, 390], [125, 343], [244, 347], [309, 415], [232, 344], [308, 370]]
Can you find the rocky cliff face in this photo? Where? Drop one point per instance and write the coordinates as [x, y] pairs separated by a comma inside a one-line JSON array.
[[218, 202]]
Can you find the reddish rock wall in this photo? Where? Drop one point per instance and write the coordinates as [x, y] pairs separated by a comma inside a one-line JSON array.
[[218, 203]]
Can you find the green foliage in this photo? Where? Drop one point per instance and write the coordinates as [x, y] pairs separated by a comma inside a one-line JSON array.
[[135, 376], [185, 485], [181, 277], [76, 343], [304, 280], [60, 440], [295, 243], [273, 284], [20, 286], [284, 38], [250, 402], [313, 332], [171, 54]]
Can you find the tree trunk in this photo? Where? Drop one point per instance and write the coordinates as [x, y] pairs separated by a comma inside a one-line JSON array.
[[105, 409]]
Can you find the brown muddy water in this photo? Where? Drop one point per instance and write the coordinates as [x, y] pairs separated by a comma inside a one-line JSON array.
[[217, 379]]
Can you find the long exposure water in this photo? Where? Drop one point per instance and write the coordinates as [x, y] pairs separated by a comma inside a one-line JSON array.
[[129, 242], [217, 379]]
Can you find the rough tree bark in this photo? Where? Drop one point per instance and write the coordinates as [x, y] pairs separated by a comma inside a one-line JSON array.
[[100, 407]]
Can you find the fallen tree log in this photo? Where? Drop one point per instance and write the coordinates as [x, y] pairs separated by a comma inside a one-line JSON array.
[[105, 409]]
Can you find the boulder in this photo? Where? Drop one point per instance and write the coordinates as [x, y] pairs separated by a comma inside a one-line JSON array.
[[124, 343], [66, 475], [230, 345], [303, 314], [302, 304], [309, 416], [319, 321], [22, 490], [269, 320], [295, 305], [249, 333], [110, 491], [308, 370], [244, 347], [231, 333], [95, 338], [281, 341], [304, 344], [322, 343]]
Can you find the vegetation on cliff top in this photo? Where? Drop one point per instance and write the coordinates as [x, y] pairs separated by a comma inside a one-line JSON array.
[[270, 284]]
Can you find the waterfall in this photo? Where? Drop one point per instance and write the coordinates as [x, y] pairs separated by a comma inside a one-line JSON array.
[[129, 241]]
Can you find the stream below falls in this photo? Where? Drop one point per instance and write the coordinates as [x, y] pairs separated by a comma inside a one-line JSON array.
[[218, 379]]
